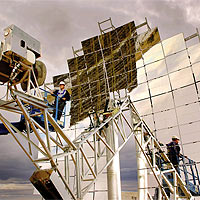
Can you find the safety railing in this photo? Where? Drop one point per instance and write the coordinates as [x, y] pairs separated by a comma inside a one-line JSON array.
[[55, 107], [191, 174], [188, 171]]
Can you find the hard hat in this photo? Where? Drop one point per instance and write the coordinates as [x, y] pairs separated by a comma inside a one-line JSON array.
[[62, 83], [175, 137]]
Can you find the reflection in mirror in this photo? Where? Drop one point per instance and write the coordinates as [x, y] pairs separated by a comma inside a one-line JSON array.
[[193, 52], [141, 77], [196, 70], [144, 107], [188, 113], [198, 87], [139, 93], [156, 69], [139, 63], [154, 54], [190, 132], [165, 135], [149, 120], [165, 119], [159, 85], [181, 78], [174, 44], [192, 150], [185, 95], [163, 102], [177, 61]]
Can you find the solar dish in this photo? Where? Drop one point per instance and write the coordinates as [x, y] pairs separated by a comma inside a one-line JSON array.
[[108, 64], [167, 95]]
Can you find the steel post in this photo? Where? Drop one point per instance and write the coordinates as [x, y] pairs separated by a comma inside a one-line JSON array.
[[113, 170], [141, 161]]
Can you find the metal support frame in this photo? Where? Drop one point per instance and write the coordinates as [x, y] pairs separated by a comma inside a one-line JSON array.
[[112, 27], [75, 52], [193, 36], [56, 101], [29, 75], [141, 164], [128, 128], [22, 101], [143, 24]]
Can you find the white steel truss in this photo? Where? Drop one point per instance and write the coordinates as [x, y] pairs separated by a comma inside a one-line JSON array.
[[126, 124]]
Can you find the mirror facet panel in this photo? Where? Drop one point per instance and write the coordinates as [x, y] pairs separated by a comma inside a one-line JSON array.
[[149, 120], [174, 44], [141, 92], [141, 75], [189, 113], [155, 54], [159, 86], [193, 52], [139, 63], [144, 107], [177, 61], [166, 135], [196, 71], [181, 78], [192, 130], [156, 69], [182, 99], [165, 119], [162, 102]]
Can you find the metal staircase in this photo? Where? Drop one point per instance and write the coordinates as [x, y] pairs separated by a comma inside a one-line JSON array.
[[158, 162]]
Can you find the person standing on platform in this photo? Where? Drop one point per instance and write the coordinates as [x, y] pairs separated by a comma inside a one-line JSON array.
[[63, 95], [173, 152]]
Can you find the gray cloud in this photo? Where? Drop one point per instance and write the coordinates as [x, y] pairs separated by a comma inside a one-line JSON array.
[[13, 163], [15, 171], [59, 25]]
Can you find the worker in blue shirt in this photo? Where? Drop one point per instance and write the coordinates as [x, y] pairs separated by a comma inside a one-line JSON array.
[[63, 96], [173, 153]]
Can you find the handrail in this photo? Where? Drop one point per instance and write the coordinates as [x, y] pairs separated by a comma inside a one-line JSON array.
[[194, 178], [56, 107]]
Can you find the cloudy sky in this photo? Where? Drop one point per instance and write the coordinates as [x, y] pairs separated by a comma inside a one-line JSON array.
[[59, 25]]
